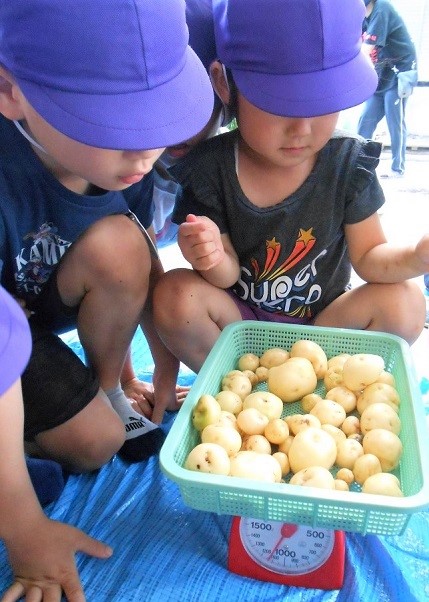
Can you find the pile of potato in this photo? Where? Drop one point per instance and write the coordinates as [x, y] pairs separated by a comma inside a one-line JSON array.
[[350, 436]]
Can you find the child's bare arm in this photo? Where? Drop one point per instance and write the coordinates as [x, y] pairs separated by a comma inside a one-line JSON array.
[[208, 251], [376, 260]]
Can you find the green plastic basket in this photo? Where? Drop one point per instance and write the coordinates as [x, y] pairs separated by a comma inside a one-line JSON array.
[[350, 511]]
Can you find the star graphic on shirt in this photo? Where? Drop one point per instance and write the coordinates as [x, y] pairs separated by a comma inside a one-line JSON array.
[[305, 236]]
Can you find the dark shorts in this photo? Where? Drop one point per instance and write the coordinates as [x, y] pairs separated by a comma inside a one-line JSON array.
[[56, 385], [252, 312]]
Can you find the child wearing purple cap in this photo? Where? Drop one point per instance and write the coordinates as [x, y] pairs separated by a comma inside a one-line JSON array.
[[88, 101], [45, 556], [276, 213]]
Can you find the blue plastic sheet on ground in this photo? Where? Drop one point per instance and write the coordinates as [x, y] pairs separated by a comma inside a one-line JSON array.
[[164, 550]]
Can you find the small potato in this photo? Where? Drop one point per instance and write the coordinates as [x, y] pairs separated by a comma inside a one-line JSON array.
[[251, 421], [329, 412], [283, 460], [361, 370], [276, 431], [378, 393], [227, 419], [273, 357], [382, 483], [285, 445], [333, 377], [251, 376], [343, 396], [208, 457], [387, 378], [385, 445], [341, 485], [313, 476], [348, 451], [356, 437], [365, 466], [269, 404], [229, 401], [248, 361], [351, 426], [309, 401], [338, 360], [345, 474], [313, 352], [336, 433], [293, 379], [227, 437], [380, 416], [249, 464], [206, 411], [261, 374], [257, 443], [299, 422], [237, 382]]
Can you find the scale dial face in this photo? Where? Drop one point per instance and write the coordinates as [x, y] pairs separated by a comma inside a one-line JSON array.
[[286, 548]]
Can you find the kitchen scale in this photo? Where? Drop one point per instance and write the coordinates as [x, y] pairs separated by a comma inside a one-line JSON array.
[[287, 553]]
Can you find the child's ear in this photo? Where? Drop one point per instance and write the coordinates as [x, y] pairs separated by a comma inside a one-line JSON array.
[[220, 82], [10, 104]]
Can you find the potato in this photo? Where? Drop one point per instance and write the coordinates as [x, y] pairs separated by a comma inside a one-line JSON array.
[[382, 483], [309, 401], [378, 393], [227, 419], [292, 380], [248, 361], [284, 446], [313, 476], [351, 426], [333, 377], [338, 360], [334, 432], [387, 378], [251, 421], [329, 412], [299, 422], [380, 416], [254, 380], [343, 396], [361, 370], [385, 445], [365, 466], [251, 465], [312, 447], [273, 357], [340, 485], [348, 451], [269, 404], [227, 437], [208, 457], [261, 374], [313, 352], [237, 382], [206, 411], [229, 401], [257, 443], [283, 460], [345, 474], [276, 431]]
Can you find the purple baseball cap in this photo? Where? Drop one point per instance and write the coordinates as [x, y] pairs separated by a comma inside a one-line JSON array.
[[115, 74], [15, 341], [296, 58]]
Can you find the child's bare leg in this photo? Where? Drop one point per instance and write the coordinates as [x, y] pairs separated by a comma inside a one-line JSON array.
[[77, 444], [394, 308], [106, 272], [190, 313]]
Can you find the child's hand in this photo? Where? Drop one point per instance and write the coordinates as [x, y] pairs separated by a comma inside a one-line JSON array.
[[200, 242]]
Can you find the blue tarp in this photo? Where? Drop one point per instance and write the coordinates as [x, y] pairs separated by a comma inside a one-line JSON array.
[[166, 551]]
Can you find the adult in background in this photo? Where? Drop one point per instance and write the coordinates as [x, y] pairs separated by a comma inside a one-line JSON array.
[[388, 43]]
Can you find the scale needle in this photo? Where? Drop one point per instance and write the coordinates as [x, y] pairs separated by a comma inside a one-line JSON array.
[[287, 530]]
